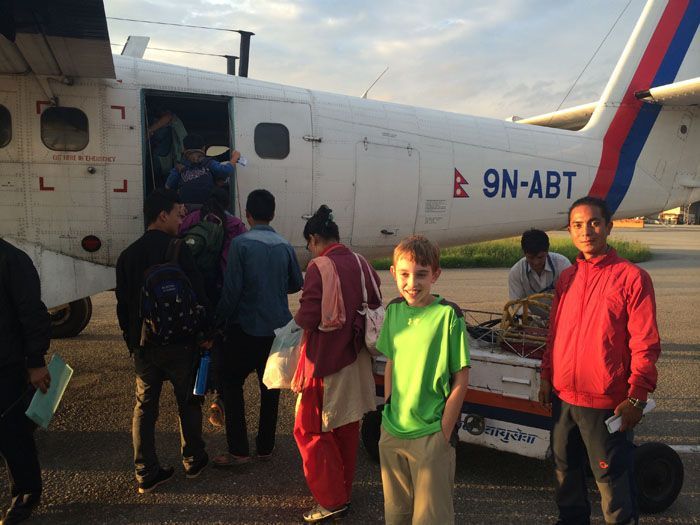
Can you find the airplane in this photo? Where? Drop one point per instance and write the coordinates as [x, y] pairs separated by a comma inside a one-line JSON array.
[[76, 160]]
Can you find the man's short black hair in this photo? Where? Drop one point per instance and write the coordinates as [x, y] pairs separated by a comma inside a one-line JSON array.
[[534, 241], [593, 201], [159, 200], [193, 141], [261, 205]]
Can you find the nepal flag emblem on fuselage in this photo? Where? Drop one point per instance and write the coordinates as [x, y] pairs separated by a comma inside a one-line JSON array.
[[460, 182]]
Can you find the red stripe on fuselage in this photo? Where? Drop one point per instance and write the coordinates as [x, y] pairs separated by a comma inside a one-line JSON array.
[[629, 109]]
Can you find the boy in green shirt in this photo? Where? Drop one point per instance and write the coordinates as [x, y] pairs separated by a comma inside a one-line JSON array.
[[425, 381]]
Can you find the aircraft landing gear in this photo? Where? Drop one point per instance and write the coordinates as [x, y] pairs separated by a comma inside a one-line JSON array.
[[70, 319]]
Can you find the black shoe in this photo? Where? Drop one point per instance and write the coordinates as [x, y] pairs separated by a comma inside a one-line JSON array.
[[164, 474], [196, 468], [20, 508]]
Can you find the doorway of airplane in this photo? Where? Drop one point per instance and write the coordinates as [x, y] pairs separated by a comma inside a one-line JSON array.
[[383, 170], [168, 118]]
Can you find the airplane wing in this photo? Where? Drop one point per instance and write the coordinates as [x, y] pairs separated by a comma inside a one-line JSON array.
[[55, 38], [572, 118], [685, 93]]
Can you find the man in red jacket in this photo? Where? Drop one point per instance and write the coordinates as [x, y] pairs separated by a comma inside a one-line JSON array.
[[600, 360]]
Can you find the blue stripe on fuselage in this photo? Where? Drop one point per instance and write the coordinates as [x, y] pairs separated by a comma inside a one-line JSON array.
[[646, 118]]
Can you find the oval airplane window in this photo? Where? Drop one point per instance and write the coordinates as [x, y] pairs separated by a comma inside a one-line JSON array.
[[271, 140], [64, 129], [5, 126]]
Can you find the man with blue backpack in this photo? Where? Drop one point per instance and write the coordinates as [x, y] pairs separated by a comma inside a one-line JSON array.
[[163, 309], [196, 175]]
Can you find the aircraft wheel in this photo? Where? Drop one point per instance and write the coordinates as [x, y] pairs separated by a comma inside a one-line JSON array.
[[659, 473], [371, 431], [70, 320]]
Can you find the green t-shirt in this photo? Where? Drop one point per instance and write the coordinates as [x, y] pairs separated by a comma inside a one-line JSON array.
[[427, 345]]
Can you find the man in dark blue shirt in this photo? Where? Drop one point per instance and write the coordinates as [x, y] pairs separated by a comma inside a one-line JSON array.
[[195, 175], [262, 269]]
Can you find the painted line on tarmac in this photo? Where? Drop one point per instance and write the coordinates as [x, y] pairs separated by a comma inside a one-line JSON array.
[[686, 449]]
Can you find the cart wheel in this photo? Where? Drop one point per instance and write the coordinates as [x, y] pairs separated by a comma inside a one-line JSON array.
[[659, 473], [371, 430]]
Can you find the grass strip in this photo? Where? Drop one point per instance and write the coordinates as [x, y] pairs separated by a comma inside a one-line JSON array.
[[505, 253]]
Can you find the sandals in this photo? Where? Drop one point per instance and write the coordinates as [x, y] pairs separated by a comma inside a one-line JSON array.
[[229, 460], [319, 513], [216, 414]]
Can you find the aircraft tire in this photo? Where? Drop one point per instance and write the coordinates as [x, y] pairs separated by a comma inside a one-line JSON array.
[[371, 430], [71, 320], [658, 470]]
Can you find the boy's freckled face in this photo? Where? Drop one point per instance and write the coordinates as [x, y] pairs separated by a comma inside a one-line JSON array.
[[414, 281]]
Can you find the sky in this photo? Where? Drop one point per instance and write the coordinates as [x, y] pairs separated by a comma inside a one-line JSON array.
[[494, 58]]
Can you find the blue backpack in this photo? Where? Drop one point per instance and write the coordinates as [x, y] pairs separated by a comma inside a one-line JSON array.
[[169, 306]]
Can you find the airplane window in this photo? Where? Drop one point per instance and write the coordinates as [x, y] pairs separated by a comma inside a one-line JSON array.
[[5, 126], [64, 129], [271, 140]]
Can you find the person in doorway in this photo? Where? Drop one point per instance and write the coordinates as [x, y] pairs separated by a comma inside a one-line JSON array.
[[603, 315], [262, 269], [166, 134], [155, 362], [336, 382], [25, 326], [196, 175]]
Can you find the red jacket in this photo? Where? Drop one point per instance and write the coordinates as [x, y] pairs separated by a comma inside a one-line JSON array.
[[329, 352], [603, 340]]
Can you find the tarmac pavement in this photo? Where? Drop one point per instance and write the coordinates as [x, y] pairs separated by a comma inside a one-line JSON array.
[[87, 458]]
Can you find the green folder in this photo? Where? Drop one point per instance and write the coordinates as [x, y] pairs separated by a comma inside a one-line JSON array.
[[43, 406]]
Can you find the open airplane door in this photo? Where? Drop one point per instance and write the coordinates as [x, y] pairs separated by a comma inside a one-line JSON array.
[[382, 170], [275, 138]]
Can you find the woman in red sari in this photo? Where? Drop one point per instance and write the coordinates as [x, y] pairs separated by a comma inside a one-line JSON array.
[[334, 376]]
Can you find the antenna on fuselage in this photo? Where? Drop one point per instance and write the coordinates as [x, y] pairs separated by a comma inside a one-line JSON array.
[[364, 95]]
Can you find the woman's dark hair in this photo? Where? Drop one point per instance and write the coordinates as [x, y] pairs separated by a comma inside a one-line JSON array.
[[322, 224], [216, 204]]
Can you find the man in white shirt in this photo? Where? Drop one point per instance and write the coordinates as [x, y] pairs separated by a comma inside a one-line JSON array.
[[539, 270]]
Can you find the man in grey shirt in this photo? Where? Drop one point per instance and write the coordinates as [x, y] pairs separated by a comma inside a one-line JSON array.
[[262, 269], [539, 270]]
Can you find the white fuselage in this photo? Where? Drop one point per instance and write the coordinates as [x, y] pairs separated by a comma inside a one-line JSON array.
[[386, 170]]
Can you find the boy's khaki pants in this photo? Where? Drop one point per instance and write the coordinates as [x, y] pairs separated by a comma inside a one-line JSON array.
[[418, 479]]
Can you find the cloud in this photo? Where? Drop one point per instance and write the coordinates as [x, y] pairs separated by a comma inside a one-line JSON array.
[[486, 57]]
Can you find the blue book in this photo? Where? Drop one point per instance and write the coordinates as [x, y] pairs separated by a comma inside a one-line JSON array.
[[43, 406]]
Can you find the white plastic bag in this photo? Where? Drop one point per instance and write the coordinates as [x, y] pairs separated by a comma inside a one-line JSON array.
[[284, 356]]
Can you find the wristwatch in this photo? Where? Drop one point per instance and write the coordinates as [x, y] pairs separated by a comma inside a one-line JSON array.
[[637, 403]]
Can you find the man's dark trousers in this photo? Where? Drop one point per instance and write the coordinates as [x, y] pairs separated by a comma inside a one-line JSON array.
[[155, 365], [580, 430], [16, 434], [242, 355]]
